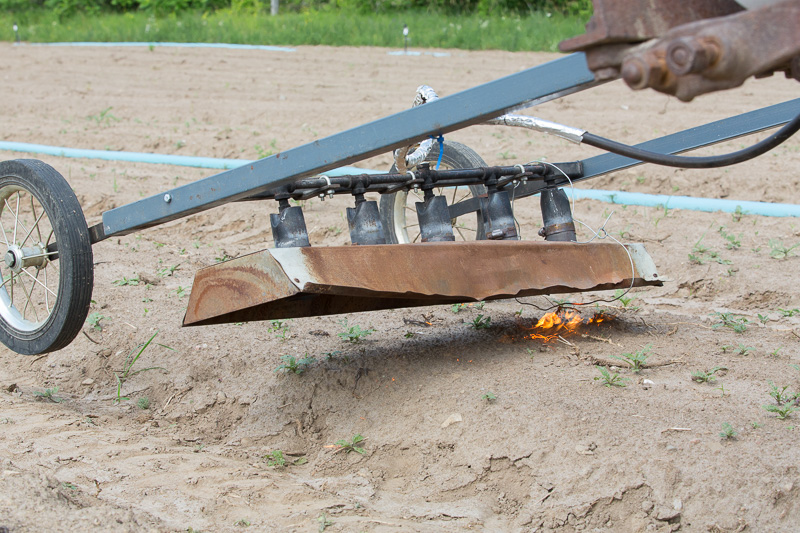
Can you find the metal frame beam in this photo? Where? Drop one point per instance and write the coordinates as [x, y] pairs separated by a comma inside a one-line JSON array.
[[535, 85]]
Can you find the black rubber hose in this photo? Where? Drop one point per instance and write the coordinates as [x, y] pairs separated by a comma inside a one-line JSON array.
[[714, 161]]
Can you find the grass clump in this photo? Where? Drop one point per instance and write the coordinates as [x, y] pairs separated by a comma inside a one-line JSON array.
[[607, 379], [481, 322], [128, 372], [636, 360], [143, 403], [777, 250], [330, 27], [707, 376]]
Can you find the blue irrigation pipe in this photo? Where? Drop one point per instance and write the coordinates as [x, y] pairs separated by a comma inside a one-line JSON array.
[[615, 197], [156, 44]]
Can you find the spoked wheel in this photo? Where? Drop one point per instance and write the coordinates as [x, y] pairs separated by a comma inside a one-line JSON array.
[[46, 261], [399, 215]]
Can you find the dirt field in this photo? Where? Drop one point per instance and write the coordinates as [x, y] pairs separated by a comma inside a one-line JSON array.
[[555, 450]]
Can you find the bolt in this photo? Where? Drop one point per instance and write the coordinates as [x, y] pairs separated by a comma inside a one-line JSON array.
[[322, 196], [689, 55], [634, 72], [330, 194], [167, 198], [542, 232]]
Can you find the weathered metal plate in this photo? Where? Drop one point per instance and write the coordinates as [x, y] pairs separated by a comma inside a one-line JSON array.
[[315, 281]]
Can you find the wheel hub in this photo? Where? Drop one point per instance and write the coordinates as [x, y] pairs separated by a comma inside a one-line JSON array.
[[17, 258]]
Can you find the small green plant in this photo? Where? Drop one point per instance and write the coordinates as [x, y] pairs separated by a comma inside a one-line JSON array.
[[481, 322], [275, 458], [292, 365], [727, 431], [242, 522], [127, 371], [180, 292], [763, 318], [701, 254], [323, 522], [738, 213], [457, 308], [729, 320], [707, 376], [125, 281], [353, 334], [489, 397], [621, 297], [94, 319], [280, 328], [779, 394], [774, 353], [143, 403], [168, 270], [352, 444], [744, 350], [49, 395], [733, 242], [781, 411], [788, 312], [637, 360], [609, 380], [755, 425], [69, 486], [779, 251], [104, 117]]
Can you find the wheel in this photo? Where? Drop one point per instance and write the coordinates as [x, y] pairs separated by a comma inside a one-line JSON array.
[[46, 291], [399, 216]]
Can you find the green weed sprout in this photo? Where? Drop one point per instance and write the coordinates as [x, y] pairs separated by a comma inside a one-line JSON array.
[[489, 396], [323, 522], [352, 444], [707, 376], [788, 312], [779, 394], [275, 458], [637, 360], [292, 365], [727, 431], [143, 403], [779, 251], [94, 319], [49, 395], [127, 371], [353, 334], [481, 322], [609, 380], [781, 411], [729, 320]]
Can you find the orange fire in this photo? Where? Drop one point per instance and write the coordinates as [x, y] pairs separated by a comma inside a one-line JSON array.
[[560, 323]]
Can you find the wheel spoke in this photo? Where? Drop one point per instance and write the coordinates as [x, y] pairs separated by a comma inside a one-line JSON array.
[[33, 208], [27, 297], [16, 219], [35, 225], [46, 299], [39, 282], [460, 234], [415, 238]]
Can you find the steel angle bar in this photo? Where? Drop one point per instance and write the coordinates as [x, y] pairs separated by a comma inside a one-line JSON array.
[[297, 282], [532, 86], [675, 143], [698, 137]]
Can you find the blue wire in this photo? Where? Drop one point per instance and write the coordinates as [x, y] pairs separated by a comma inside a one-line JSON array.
[[441, 149]]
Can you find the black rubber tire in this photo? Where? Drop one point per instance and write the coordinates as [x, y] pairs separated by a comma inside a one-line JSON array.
[[74, 263], [455, 156]]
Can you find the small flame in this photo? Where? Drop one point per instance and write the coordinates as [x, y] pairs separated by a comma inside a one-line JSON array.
[[562, 322]]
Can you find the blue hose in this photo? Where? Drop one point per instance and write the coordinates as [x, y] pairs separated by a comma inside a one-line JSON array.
[[176, 45], [767, 209]]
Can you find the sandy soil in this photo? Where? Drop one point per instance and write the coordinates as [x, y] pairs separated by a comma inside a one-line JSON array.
[[554, 451]]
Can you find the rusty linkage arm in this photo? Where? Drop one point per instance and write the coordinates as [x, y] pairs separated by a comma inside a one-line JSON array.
[[690, 48]]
